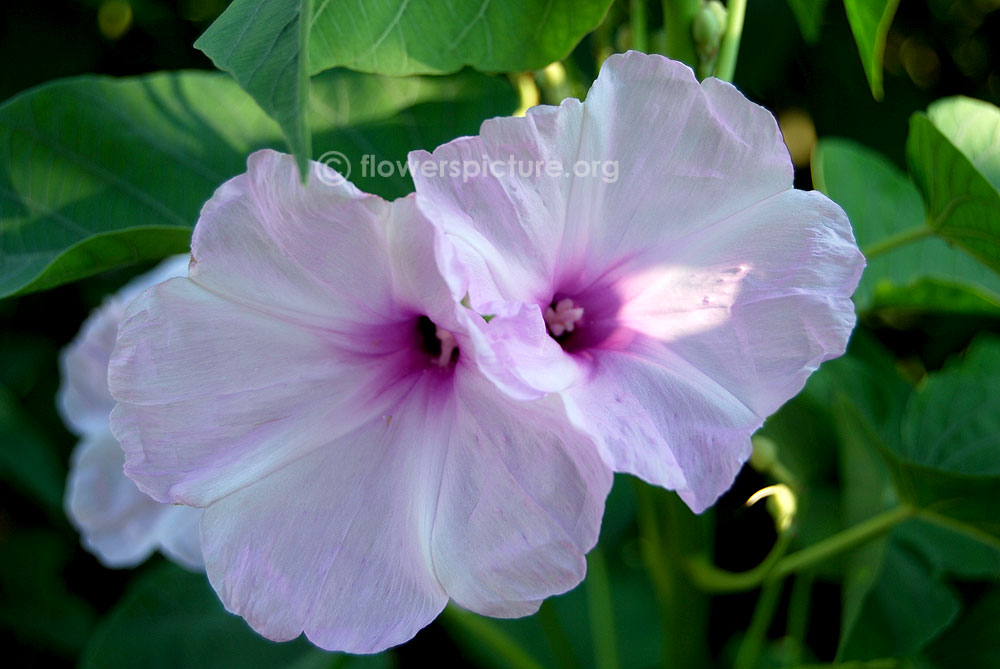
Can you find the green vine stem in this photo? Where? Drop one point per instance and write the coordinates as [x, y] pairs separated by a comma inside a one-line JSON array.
[[637, 24], [599, 606], [748, 655], [894, 241], [731, 41], [776, 566]]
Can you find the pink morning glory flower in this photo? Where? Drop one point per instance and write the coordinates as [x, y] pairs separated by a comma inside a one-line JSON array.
[[120, 524], [311, 386], [645, 259]]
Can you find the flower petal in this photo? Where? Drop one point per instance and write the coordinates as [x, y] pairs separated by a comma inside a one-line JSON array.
[[515, 352], [704, 153], [120, 524], [334, 544], [214, 395], [520, 501], [661, 419], [757, 301], [316, 250], [459, 492]]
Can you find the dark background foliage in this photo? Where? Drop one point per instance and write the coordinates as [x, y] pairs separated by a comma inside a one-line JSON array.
[[58, 604]]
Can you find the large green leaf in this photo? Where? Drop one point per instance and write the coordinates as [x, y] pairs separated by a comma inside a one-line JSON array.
[[963, 205], [953, 422], [402, 37], [870, 20], [264, 45], [172, 618], [881, 202], [906, 607], [972, 642], [894, 604], [951, 552], [271, 46], [973, 126], [948, 457], [126, 183]]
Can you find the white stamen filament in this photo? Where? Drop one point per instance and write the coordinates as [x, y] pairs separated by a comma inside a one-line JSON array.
[[448, 346], [564, 317]]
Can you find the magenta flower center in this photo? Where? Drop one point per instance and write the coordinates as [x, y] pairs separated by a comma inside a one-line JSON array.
[[437, 343]]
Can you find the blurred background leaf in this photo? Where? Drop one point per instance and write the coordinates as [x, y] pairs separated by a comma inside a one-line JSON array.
[[924, 274], [35, 604], [127, 183]]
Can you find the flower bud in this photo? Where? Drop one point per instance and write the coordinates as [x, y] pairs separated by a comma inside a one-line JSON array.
[[707, 29]]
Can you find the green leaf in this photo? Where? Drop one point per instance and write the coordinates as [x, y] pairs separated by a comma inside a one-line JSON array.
[[924, 274], [893, 603], [905, 609], [401, 37], [870, 20], [947, 460], [951, 552], [264, 45], [145, 153], [173, 618], [973, 126], [865, 491], [809, 16], [271, 46], [963, 206], [972, 642], [953, 422]]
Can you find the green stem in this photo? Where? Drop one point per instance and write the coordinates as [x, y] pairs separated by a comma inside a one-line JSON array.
[[683, 610], [798, 614], [602, 620], [302, 94], [556, 636], [678, 16], [753, 642], [713, 579], [882, 663], [637, 21], [843, 541], [737, 10], [488, 637], [654, 555], [710, 578], [897, 240]]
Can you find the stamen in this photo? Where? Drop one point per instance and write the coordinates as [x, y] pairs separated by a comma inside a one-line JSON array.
[[563, 318], [448, 346]]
